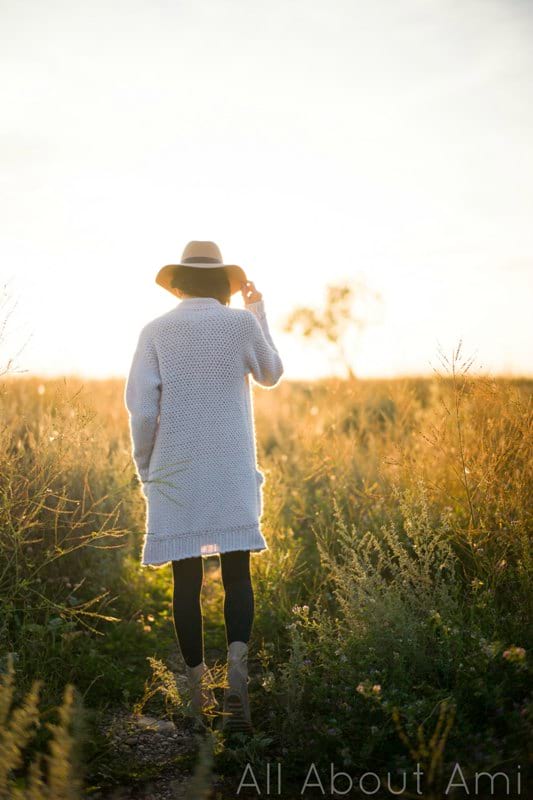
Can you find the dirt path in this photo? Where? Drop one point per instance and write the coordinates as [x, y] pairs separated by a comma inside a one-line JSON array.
[[149, 756]]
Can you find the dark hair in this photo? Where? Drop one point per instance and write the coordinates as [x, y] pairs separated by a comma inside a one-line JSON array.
[[203, 282]]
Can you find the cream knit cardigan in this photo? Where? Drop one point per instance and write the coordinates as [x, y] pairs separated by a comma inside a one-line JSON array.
[[188, 396]]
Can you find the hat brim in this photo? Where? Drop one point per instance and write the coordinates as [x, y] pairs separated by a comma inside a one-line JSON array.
[[235, 275]]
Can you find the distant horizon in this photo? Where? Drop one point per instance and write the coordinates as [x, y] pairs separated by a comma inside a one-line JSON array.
[[408, 376]]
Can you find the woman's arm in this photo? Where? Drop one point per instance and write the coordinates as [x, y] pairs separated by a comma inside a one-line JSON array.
[[142, 397], [259, 312], [262, 354]]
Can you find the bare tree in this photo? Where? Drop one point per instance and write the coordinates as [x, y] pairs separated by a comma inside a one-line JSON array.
[[346, 308]]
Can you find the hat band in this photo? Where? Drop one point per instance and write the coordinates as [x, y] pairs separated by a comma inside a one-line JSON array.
[[201, 260]]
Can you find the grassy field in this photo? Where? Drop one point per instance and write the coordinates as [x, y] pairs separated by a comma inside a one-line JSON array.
[[393, 606]]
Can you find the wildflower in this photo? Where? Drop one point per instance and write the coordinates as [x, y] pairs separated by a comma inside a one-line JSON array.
[[488, 648], [515, 654], [376, 689]]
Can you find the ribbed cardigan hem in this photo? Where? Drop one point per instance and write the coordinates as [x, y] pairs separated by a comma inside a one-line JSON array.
[[160, 550]]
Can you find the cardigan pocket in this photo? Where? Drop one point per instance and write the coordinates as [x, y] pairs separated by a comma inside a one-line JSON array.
[[260, 479]]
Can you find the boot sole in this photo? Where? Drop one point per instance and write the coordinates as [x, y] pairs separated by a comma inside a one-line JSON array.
[[237, 722]]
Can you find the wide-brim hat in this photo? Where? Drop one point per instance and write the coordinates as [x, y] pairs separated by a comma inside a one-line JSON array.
[[201, 255]]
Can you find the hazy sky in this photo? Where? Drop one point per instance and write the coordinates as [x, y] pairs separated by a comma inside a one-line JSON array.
[[315, 142]]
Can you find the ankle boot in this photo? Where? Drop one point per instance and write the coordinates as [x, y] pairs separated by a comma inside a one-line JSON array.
[[236, 701], [202, 696]]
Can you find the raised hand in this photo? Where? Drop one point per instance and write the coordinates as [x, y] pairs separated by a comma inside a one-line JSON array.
[[249, 293]]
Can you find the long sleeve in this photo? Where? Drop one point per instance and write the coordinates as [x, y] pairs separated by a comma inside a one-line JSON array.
[[262, 356], [142, 397]]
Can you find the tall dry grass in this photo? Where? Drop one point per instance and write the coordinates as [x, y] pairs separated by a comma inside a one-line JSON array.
[[398, 577]]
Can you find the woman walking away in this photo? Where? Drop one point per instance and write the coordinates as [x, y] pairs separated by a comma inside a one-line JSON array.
[[188, 395]]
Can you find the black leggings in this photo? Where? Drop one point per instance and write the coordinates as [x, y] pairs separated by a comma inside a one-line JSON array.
[[188, 576]]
